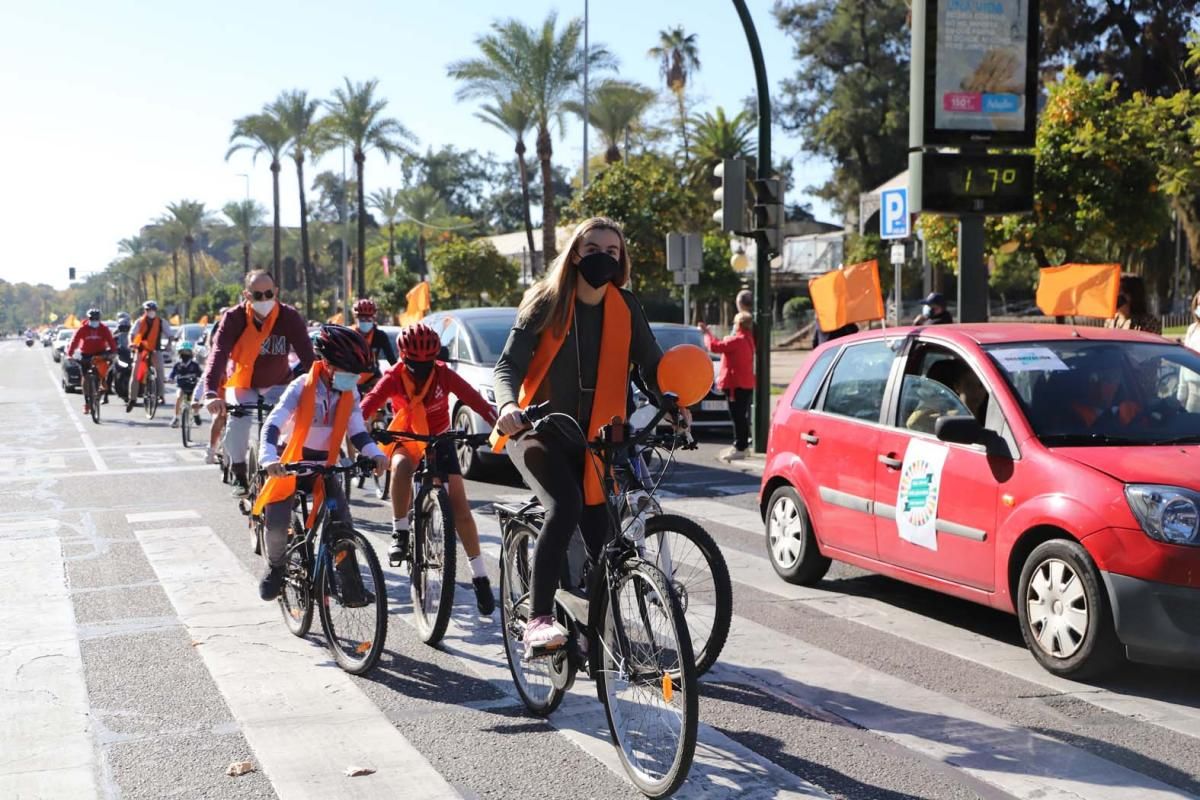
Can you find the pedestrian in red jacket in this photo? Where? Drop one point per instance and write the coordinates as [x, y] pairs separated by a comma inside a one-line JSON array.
[[736, 379]]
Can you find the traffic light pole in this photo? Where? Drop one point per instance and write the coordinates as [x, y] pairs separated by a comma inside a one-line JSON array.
[[762, 266]]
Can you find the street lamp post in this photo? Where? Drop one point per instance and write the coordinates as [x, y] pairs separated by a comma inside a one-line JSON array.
[[586, 99]]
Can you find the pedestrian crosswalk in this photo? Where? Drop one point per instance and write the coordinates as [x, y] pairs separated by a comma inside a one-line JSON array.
[[305, 722]]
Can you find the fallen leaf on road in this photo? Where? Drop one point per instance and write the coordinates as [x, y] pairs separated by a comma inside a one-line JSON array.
[[197, 644], [239, 768], [354, 772]]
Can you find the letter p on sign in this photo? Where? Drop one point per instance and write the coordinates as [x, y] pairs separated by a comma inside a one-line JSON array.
[[893, 214]]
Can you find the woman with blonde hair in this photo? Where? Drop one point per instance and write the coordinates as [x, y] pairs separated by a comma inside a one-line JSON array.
[[577, 334]]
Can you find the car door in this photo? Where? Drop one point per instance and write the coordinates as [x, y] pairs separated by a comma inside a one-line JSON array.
[[839, 443], [964, 540]]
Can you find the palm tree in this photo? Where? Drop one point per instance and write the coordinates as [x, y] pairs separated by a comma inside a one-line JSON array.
[[678, 58], [356, 120], [512, 115], [425, 207], [263, 133], [169, 237], [246, 216], [134, 265], [192, 218], [542, 67], [298, 115], [390, 205], [718, 137], [615, 109]]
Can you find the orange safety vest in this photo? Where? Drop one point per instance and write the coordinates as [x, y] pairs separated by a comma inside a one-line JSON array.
[[152, 328], [410, 417], [276, 490], [248, 347], [612, 380]]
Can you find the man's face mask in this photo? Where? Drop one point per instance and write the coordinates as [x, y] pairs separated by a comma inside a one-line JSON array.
[[93, 323], [419, 370]]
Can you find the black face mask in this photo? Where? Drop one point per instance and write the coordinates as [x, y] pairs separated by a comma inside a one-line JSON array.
[[185, 357], [419, 370], [598, 269]]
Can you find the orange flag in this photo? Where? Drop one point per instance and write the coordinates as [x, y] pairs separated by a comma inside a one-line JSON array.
[[849, 294], [418, 304], [1079, 290]]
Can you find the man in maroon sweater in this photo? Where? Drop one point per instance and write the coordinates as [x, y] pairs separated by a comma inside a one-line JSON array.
[[252, 341]]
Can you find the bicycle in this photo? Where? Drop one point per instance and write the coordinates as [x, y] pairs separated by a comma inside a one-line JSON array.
[[185, 424], [383, 483], [628, 633], [433, 556], [335, 566], [253, 477], [92, 381], [148, 387]]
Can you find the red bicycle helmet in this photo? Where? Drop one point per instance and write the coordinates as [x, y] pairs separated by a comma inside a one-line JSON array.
[[419, 343], [344, 348], [364, 307]]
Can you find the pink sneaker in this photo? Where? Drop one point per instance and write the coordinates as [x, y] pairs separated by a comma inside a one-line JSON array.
[[543, 634]]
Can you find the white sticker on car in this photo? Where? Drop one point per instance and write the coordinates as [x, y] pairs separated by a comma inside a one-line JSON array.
[[1029, 359], [920, 488]]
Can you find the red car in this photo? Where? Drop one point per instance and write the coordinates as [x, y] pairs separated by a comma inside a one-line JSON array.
[[1044, 470]]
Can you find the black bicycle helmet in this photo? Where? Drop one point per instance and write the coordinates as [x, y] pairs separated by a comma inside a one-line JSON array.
[[93, 313], [344, 348]]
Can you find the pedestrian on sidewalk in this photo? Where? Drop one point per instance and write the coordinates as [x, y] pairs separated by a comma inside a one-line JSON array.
[[736, 379]]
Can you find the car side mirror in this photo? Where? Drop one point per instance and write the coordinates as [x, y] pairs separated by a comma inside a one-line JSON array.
[[958, 429], [444, 353]]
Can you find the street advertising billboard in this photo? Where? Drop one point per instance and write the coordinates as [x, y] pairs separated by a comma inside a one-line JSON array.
[[980, 77]]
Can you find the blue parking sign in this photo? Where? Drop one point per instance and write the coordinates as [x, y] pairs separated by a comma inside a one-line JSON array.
[[893, 214]]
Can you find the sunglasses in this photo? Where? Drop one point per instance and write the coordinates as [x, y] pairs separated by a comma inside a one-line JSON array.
[[269, 294]]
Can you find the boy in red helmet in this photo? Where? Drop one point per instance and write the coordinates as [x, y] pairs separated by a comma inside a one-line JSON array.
[[420, 385]]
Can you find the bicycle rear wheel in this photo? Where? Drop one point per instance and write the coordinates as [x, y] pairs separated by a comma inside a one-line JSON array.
[[434, 561], [532, 678], [150, 394], [91, 394], [693, 564], [352, 599], [647, 680], [295, 601]]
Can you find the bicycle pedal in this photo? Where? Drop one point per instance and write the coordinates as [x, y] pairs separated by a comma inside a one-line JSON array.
[[535, 653]]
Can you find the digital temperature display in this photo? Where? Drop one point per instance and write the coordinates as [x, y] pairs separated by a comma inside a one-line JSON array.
[[983, 183]]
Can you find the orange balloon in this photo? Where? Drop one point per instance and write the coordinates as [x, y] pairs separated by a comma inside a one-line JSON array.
[[686, 371]]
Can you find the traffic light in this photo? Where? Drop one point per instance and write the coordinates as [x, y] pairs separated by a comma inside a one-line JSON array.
[[71, 273], [768, 211], [730, 194]]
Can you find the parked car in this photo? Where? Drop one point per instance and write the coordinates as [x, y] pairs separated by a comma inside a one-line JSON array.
[[61, 341], [713, 410], [1047, 471]]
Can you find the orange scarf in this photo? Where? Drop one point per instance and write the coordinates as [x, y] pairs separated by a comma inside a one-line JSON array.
[[410, 416], [612, 380], [246, 351], [275, 490], [152, 328]]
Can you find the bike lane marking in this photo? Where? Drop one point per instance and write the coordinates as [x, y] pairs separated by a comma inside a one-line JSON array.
[[304, 718], [161, 516], [88, 443], [46, 747]]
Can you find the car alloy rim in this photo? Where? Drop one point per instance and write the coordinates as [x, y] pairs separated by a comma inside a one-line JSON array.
[[786, 532], [1057, 607]]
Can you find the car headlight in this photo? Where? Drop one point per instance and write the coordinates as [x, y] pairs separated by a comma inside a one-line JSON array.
[[1166, 513]]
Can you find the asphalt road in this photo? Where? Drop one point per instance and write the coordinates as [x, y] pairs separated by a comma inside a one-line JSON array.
[[137, 662]]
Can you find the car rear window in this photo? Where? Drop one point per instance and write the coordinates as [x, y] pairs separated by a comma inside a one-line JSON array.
[[813, 380], [858, 382]]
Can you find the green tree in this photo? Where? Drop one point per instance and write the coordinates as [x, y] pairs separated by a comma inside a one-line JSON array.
[[678, 58], [193, 220], [543, 67], [356, 119], [390, 205], [263, 133], [246, 217], [168, 236], [392, 292], [513, 115], [615, 109], [849, 96], [425, 208], [297, 114], [471, 273], [718, 137]]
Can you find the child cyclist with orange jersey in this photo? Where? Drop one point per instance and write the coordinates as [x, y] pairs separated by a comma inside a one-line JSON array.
[[419, 387]]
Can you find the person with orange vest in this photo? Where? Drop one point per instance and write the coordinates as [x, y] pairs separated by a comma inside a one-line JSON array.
[[255, 337], [576, 337], [318, 409], [146, 341], [419, 387]]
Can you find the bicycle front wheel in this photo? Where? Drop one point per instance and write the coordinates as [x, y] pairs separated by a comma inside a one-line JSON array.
[[434, 557], [150, 395], [91, 394], [185, 425], [532, 678], [647, 679], [352, 599], [693, 564]]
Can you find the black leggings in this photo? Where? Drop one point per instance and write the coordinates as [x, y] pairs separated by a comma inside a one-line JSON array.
[[554, 471]]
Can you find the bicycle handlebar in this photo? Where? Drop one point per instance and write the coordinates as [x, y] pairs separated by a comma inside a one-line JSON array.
[[362, 465], [390, 437], [536, 413]]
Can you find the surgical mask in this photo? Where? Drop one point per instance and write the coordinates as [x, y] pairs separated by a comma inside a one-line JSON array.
[[926, 311], [93, 323], [419, 370], [598, 269], [345, 381], [151, 314], [365, 327], [263, 307]]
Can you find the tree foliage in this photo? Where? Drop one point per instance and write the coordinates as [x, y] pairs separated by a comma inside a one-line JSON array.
[[464, 272]]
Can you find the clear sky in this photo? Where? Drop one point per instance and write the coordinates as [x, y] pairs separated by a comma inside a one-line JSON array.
[[113, 109]]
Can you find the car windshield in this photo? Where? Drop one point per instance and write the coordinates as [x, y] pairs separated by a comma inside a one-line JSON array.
[[490, 334], [192, 332], [1083, 392]]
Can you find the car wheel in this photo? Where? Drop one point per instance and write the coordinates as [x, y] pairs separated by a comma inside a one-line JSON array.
[[791, 543], [1064, 612], [468, 458]]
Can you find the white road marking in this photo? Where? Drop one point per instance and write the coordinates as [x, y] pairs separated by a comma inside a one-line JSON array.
[[162, 516], [88, 444], [304, 718], [28, 526], [107, 472], [1009, 659], [46, 748]]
